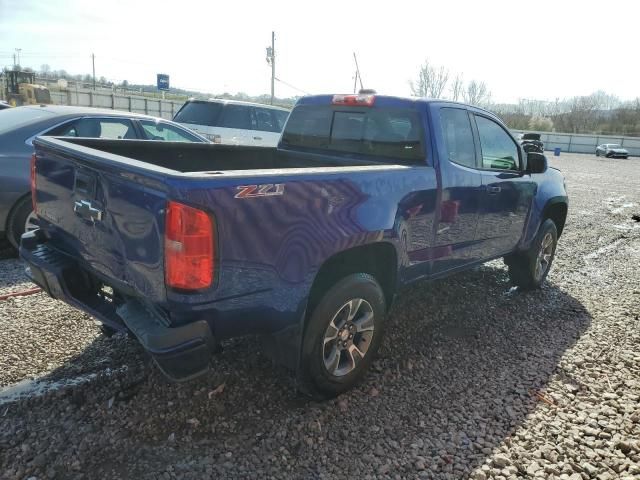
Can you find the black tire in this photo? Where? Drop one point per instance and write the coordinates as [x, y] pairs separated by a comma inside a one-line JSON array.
[[17, 219], [597, 153], [316, 379], [523, 267], [108, 331]]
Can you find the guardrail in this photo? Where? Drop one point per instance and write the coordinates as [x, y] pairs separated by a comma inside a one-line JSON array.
[[584, 143], [130, 103]]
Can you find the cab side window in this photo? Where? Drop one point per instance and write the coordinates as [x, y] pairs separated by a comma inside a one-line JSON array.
[[458, 136], [499, 151]]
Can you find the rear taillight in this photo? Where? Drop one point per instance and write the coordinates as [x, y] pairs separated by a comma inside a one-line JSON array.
[[359, 100], [188, 247], [33, 183]]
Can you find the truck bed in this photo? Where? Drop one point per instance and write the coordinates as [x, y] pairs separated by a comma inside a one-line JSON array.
[[202, 157], [103, 202]]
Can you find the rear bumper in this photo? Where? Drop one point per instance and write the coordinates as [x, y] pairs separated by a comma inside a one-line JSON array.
[[181, 353]]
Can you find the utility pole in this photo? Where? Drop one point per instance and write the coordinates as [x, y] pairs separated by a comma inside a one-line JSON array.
[[18, 50], [271, 60], [93, 63]]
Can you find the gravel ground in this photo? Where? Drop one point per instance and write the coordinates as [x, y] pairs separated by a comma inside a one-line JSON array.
[[12, 278], [474, 380]]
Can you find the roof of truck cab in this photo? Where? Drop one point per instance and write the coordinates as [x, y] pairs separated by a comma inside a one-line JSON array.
[[387, 101]]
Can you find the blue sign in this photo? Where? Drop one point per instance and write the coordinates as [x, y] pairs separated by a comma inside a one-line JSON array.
[[163, 81]]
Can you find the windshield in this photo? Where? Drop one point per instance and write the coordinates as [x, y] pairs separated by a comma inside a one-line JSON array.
[[42, 95], [614, 145], [13, 118], [24, 77]]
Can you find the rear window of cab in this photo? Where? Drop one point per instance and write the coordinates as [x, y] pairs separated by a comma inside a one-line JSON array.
[[380, 132]]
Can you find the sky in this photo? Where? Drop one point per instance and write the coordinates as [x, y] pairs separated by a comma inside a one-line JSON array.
[[543, 50]]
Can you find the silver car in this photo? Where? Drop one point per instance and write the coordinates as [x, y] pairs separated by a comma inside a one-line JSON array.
[[20, 125], [611, 150]]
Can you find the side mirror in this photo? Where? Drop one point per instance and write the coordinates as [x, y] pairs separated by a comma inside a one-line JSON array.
[[536, 162]]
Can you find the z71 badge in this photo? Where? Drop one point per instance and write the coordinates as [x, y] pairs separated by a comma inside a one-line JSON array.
[[266, 190]]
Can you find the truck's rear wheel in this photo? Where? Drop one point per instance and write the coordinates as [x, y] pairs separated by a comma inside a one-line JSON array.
[[342, 336], [528, 270]]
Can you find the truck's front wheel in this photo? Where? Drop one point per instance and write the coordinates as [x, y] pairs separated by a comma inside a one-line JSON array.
[[528, 270], [342, 336]]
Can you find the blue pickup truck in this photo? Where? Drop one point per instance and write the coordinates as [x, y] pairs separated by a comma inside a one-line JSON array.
[[185, 245]]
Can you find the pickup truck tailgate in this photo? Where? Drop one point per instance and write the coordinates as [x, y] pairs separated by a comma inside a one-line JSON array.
[[109, 218]]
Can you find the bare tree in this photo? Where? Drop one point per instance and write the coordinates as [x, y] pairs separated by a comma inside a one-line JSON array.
[[476, 93], [583, 113], [423, 83], [440, 80], [605, 101], [457, 88], [431, 81], [540, 124], [599, 113]]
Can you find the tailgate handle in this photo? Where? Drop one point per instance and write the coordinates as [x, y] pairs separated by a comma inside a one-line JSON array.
[[85, 183], [84, 209]]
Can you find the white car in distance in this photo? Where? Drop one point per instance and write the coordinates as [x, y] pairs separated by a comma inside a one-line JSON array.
[[231, 122]]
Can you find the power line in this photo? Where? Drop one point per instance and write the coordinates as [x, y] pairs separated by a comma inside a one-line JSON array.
[[291, 86], [358, 76]]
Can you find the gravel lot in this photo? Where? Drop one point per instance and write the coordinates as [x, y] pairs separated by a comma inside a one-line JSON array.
[[473, 381]]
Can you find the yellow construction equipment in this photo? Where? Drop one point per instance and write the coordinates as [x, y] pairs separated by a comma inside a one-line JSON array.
[[21, 89]]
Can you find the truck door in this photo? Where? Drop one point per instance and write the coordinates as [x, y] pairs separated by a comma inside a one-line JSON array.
[[507, 190], [461, 189]]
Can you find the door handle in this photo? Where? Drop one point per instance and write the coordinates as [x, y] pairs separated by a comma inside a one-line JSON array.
[[494, 190], [257, 138]]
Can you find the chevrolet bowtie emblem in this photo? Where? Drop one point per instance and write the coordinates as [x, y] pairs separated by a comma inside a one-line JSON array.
[[85, 210]]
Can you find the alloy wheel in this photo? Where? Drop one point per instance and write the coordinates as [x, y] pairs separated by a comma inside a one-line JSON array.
[[31, 222], [348, 337], [544, 256]]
